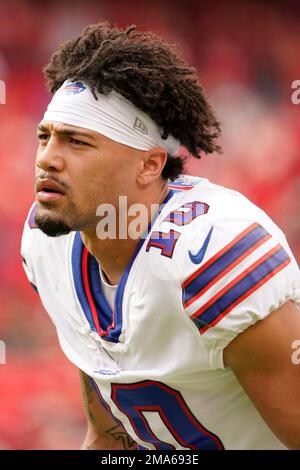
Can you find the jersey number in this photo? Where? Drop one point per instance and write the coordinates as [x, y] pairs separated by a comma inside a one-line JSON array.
[[137, 400], [184, 215]]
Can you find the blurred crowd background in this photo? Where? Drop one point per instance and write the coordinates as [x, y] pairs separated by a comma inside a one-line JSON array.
[[247, 56]]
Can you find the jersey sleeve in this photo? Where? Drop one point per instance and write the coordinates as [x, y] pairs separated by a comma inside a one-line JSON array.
[[27, 247], [247, 271]]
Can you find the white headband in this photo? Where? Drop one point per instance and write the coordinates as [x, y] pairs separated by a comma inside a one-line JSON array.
[[111, 115]]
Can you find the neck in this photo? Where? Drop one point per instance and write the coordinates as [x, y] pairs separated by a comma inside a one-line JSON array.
[[114, 254]]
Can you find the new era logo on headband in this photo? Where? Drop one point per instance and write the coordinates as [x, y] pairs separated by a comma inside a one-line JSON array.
[[140, 126]]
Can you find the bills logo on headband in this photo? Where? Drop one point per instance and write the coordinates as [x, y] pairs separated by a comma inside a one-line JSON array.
[[74, 88]]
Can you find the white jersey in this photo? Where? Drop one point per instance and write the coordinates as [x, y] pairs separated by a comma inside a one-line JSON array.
[[212, 265]]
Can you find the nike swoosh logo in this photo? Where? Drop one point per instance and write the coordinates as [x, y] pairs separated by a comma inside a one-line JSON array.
[[198, 257]]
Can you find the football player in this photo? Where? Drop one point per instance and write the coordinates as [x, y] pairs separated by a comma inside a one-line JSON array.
[[183, 336]]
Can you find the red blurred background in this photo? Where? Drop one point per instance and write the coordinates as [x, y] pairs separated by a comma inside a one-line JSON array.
[[247, 56]]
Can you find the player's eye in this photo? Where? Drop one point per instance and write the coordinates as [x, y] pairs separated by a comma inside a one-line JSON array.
[[43, 137], [77, 142]]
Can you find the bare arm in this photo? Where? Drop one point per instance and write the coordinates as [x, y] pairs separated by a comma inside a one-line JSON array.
[[103, 433], [261, 358]]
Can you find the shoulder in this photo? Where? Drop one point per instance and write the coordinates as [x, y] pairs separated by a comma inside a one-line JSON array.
[[31, 235], [229, 226], [199, 220], [221, 202], [233, 263], [37, 249], [209, 214]]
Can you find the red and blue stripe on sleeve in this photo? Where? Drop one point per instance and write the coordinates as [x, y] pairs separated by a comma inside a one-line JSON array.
[[242, 286]]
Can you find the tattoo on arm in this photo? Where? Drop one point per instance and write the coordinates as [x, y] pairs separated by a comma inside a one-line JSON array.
[[87, 394], [118, 434], [90, 401]]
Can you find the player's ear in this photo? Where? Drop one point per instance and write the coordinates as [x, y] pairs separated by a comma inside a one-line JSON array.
[[151, 165]]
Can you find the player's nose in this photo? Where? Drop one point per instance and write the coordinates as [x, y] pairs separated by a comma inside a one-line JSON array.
[[50, 157]]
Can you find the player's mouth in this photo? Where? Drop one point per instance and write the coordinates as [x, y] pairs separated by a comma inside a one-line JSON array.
[[48, 190]]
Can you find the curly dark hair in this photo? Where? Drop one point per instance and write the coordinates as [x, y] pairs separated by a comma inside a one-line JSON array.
[[149, 73]]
